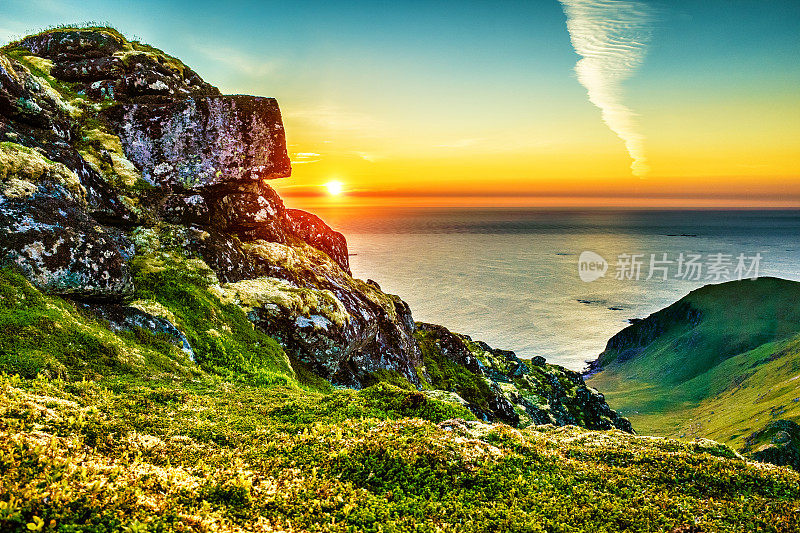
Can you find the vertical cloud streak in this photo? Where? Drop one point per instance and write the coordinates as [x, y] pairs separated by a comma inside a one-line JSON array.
[[611, 37]]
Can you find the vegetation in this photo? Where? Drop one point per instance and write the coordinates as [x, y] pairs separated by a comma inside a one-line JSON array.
[[155, 443], [210, 455], [450, 376], [721, 363]]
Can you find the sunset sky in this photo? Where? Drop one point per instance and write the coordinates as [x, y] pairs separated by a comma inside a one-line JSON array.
[[478, 103]]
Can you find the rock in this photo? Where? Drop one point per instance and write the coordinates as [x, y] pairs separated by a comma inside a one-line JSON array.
[[504, 388], [778, 443], [149, 316], [315, 232], [251, 210], [186, 209], [25, 98], [94, 69], [73, 44], [200, 142], [368, 331], [47, 233], [313, 323]]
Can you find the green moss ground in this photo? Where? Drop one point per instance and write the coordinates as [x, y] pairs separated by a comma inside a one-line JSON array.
[[104, 432], [124, 454]]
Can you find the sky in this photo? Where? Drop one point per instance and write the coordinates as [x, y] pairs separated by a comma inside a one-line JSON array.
[[542, 103]]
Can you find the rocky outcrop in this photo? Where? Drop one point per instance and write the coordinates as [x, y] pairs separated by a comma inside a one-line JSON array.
[[778, 443], [199, 142], [117, 154], [48, 234], [315, 232], [499, 386], [341, 326]]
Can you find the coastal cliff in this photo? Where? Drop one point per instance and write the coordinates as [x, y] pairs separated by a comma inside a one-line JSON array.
[[126, 176], [181, 352]]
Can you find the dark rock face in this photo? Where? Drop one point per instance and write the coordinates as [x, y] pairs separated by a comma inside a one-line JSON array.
[[128, 318], [251, 210], [48, 234], [62, 250], [195, 143], [73, 44], [315, 232]]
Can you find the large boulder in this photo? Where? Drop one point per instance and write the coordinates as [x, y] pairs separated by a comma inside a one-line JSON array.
[[199, 142], [110, 67], [73, 44], [345, 328]]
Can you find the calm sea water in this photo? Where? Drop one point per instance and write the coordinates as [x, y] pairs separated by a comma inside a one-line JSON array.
[[510, 277]]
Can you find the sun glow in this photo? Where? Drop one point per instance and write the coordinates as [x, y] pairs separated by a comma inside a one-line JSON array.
[[335, 188]]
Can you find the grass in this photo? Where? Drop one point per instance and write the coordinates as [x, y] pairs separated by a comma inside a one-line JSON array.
[[124, 454], [223, 338], [723, 377], [51, 336]]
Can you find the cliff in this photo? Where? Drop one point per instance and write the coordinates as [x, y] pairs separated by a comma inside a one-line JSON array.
[[131, 186]]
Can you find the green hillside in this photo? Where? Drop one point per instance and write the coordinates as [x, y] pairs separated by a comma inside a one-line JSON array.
[[721, 363]]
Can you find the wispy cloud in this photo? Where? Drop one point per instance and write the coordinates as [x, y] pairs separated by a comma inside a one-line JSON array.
[[334, 118], [300, 158], [611, 37], [250, 65], [367, 156]]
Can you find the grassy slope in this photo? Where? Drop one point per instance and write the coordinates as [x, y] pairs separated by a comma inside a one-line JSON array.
[[725, 377], [208, 455], [160, 444]]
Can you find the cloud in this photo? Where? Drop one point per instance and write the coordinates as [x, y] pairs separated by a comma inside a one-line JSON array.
[[300, 158], [611, 37], [251, 66], [334, 119], [367, 156]]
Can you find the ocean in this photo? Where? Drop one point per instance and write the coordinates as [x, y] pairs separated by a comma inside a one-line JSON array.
[[510, 277]]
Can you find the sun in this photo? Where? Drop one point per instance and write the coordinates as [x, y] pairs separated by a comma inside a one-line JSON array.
[[335, 187]]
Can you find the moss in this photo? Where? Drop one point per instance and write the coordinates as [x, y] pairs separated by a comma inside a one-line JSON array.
[[293, 301], [223, 339], [66, 95], [104, 152], [391, 377], [48, 335], [450, 376], [22, 168], [204, 455]]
